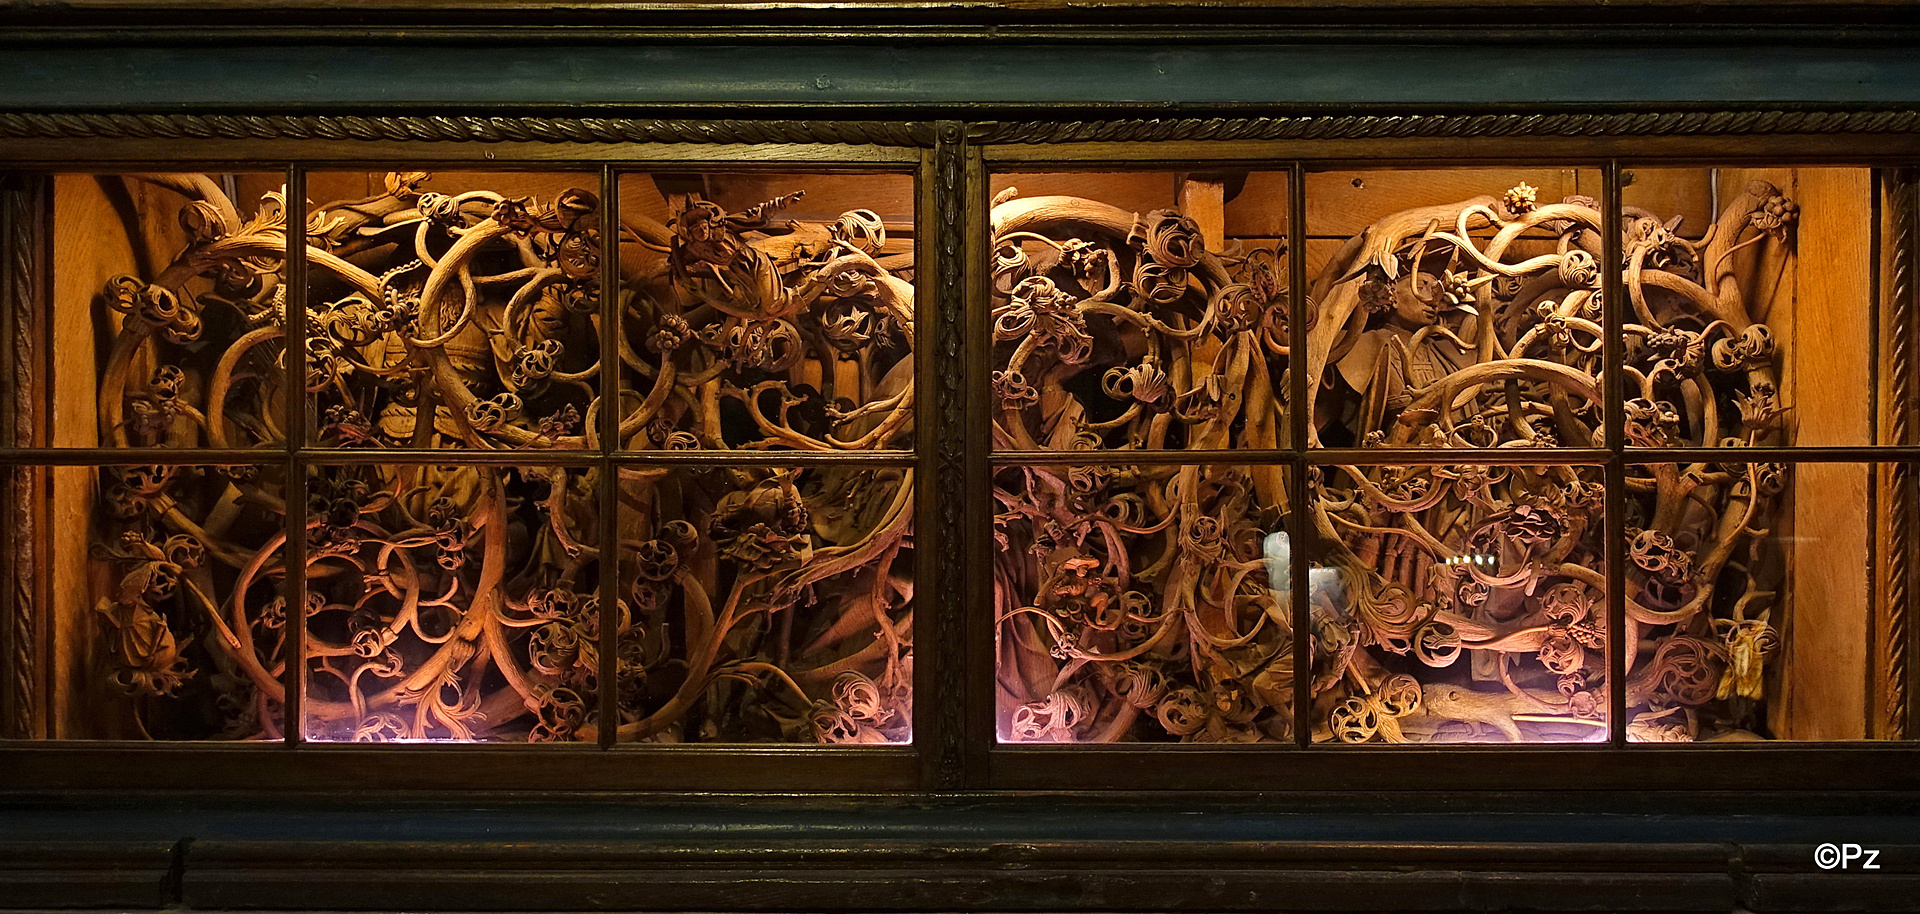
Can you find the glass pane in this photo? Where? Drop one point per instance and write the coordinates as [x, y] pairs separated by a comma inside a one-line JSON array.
[[1459, 604], [767, 605], [1455, 308], [767, 311], [447, 601], [453, 310], [1753, 317], [1139, 311], [1757, 601], [1142, 603], [167, 307], [158, 593]]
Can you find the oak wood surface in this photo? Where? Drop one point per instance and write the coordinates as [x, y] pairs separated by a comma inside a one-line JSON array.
[[1828, 308]]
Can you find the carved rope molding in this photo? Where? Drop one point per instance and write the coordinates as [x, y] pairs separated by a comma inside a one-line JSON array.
[[1899, 552], [459, 128], [18, 601], [1570, 124], [479, 129]]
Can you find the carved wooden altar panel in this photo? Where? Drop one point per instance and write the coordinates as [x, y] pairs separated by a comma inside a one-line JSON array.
[[1459, 328], [1468, 309], [165, 615], [1755, 310], [766, 604], [467, 600], [453, 310], [770, 602], [767, 311], [1754, 631], [165, 298], [161, 602], [1478, 289], [1458, 603], [1139, 311], [1757, 315], [1144, 603], [451, 603]]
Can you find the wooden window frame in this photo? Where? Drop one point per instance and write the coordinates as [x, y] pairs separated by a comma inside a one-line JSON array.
[[954, 746]]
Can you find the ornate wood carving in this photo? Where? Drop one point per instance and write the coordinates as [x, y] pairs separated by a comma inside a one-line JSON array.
[[456, 597], [22, 248], [1895, 641], [949, 220], [477, 129], [1407, 356], [459, 128], [1450, 602], [1562, 124]]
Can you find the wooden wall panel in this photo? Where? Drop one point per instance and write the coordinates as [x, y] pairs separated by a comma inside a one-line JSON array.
[[1257, 209], [1343, 203], [1823, 313], [95, 237], [1832, 335], [1670, 192], [1134, 191]]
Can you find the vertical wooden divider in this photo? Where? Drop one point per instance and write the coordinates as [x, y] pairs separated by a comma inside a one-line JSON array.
[[611, 409], [1613, 297], [1894, 426], [1300, 418], [957, 665], [16, 664], [88, 240], [24, 202], [1898, 363], [296, 418], [1204, 201]]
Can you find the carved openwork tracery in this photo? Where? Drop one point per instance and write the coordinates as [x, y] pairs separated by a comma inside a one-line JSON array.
[[456, 600], [1446, 601]]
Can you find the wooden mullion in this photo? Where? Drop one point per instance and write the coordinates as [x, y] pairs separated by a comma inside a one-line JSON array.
[[296, 419], [1613, 293], [608, 496], [1300, 425], [940, 642], [966, 219]]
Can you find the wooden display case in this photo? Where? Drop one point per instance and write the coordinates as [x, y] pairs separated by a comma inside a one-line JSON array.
[[1569, 755]]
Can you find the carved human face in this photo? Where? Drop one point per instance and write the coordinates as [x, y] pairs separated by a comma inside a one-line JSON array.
[[1416, 300]]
